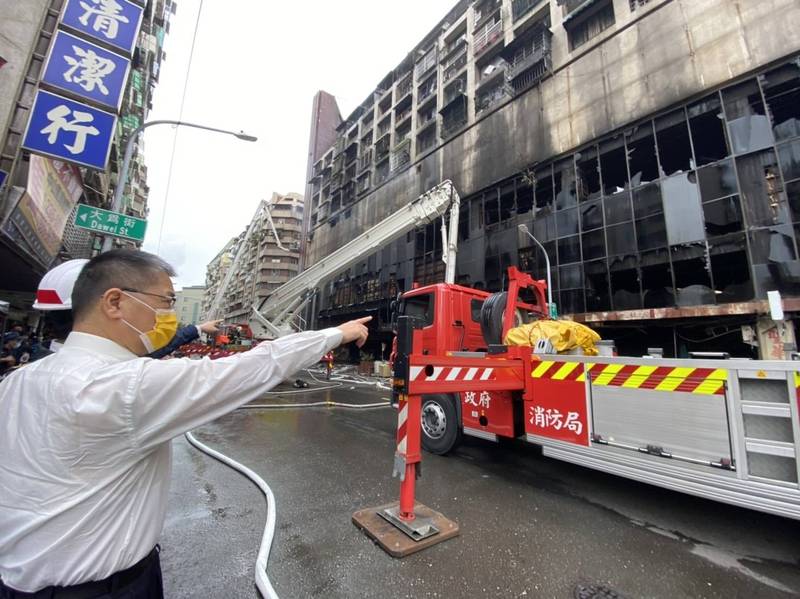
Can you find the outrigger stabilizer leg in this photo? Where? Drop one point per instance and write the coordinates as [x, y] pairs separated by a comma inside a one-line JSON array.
[[405, 526]]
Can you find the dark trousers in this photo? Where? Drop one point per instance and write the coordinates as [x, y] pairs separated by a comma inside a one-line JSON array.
[[140, 581]]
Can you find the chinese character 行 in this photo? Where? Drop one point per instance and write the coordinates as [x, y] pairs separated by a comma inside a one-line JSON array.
[[78, 125], [485, 399], [106, 16], [469, 397], [87, 69]]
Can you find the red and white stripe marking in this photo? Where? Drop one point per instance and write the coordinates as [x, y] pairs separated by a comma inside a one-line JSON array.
[[451, 373], [402, 428]]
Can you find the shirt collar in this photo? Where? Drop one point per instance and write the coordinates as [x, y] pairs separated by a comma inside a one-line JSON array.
[[98, 345]]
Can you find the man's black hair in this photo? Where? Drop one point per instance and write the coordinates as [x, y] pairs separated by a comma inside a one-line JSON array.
[[118, 268]]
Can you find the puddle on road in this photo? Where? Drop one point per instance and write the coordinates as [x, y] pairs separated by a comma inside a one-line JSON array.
[[719, 557]]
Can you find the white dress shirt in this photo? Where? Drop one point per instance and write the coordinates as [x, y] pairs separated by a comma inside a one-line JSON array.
[[85, 454]]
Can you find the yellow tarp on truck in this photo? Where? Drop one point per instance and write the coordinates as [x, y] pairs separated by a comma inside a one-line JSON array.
[[564, 335]]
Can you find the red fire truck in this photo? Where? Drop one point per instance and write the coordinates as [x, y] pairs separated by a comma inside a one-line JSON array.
[[727, 430]]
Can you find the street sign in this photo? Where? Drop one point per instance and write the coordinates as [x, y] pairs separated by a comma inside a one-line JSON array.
[[69, 131], [86, 70], [3, 176], [113, 22], [110, 223]]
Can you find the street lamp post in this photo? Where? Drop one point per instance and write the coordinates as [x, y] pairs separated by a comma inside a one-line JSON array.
[[116, 204], [550, 304]]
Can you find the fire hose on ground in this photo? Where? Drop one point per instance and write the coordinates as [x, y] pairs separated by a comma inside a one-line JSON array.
[[262, 580]]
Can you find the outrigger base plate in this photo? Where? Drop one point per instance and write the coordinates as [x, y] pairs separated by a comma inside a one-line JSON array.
[[400, 538]]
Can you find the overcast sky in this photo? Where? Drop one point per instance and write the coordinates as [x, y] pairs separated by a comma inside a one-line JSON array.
[[257, 65]]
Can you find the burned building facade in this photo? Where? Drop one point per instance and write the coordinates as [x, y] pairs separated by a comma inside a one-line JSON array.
[[652, 147]]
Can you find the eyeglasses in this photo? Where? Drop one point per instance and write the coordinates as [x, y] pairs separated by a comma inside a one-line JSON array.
[[167, 298]]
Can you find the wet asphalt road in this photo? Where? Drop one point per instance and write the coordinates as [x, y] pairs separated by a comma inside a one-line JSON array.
[[530, 526]]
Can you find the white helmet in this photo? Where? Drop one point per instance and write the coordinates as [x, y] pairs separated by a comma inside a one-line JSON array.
[[55, 288]]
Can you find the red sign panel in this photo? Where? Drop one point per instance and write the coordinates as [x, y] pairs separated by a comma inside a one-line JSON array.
[[558, 411]]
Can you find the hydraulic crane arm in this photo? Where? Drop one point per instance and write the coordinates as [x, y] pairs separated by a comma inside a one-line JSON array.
[[277, 313]]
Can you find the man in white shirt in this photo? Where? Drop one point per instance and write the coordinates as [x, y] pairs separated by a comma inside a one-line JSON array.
[[85, 433]]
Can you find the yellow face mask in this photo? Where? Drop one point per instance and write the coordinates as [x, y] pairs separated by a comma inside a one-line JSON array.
[[162, 332]]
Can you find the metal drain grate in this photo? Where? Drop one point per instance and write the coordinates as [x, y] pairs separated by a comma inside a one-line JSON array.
[[593, 591]]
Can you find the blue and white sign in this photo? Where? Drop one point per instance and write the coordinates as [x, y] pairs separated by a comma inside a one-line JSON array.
[[86, 70], [114, 22], [67, 130], [3, 176]]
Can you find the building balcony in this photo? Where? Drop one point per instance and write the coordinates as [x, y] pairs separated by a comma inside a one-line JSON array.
[[535, 56], [454, 49], [425, 121], [365, 161], [491, 96], [488, 36], [519, 8], [426, 91], [496, 72], [402, 117], [426, 64], [363, 184], [455, 67], [404, 89]]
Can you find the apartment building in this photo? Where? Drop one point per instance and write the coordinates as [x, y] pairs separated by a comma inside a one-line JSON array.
[[265, 263], [652, 146]]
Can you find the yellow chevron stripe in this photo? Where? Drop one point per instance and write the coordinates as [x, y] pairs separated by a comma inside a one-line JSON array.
[[609, 372], [541, 369], [565, 370], [638, 377], [674, 379], [587, 368]]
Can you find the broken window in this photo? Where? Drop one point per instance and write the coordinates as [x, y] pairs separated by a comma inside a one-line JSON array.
[[507, 207], [524, 197], [657, 279], [567, 222], [572, 301], [591, 215], [594, 244], [708, 130], [476, 214], [717, 181], [790, 160], [674, 147], [762, 190], [588, 174], [642, 160], [596, 286], [625, 289], [723, 216], [647, 201], [491, 210], [621, 239], [730, 269], [651, 232], [569, 250], [463, 221], [570, 277], [544, 227], [617, 208], [682, 211], [544, 188], [613, 168], [774, 258], [692, 275], [564, 184], [782, 92], [749, 127], [793, 196]]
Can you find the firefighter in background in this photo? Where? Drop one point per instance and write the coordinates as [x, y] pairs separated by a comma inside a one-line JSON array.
[[328, 359]]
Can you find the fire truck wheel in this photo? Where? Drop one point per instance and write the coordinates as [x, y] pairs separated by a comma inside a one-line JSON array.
[[440, 427]]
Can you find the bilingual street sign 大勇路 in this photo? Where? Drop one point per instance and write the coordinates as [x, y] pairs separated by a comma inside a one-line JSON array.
[[110, 223], [86, 70], [113, 22], [67, 130]]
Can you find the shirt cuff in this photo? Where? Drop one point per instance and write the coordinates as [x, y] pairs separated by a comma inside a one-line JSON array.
[[199, 332], [333, 338]]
